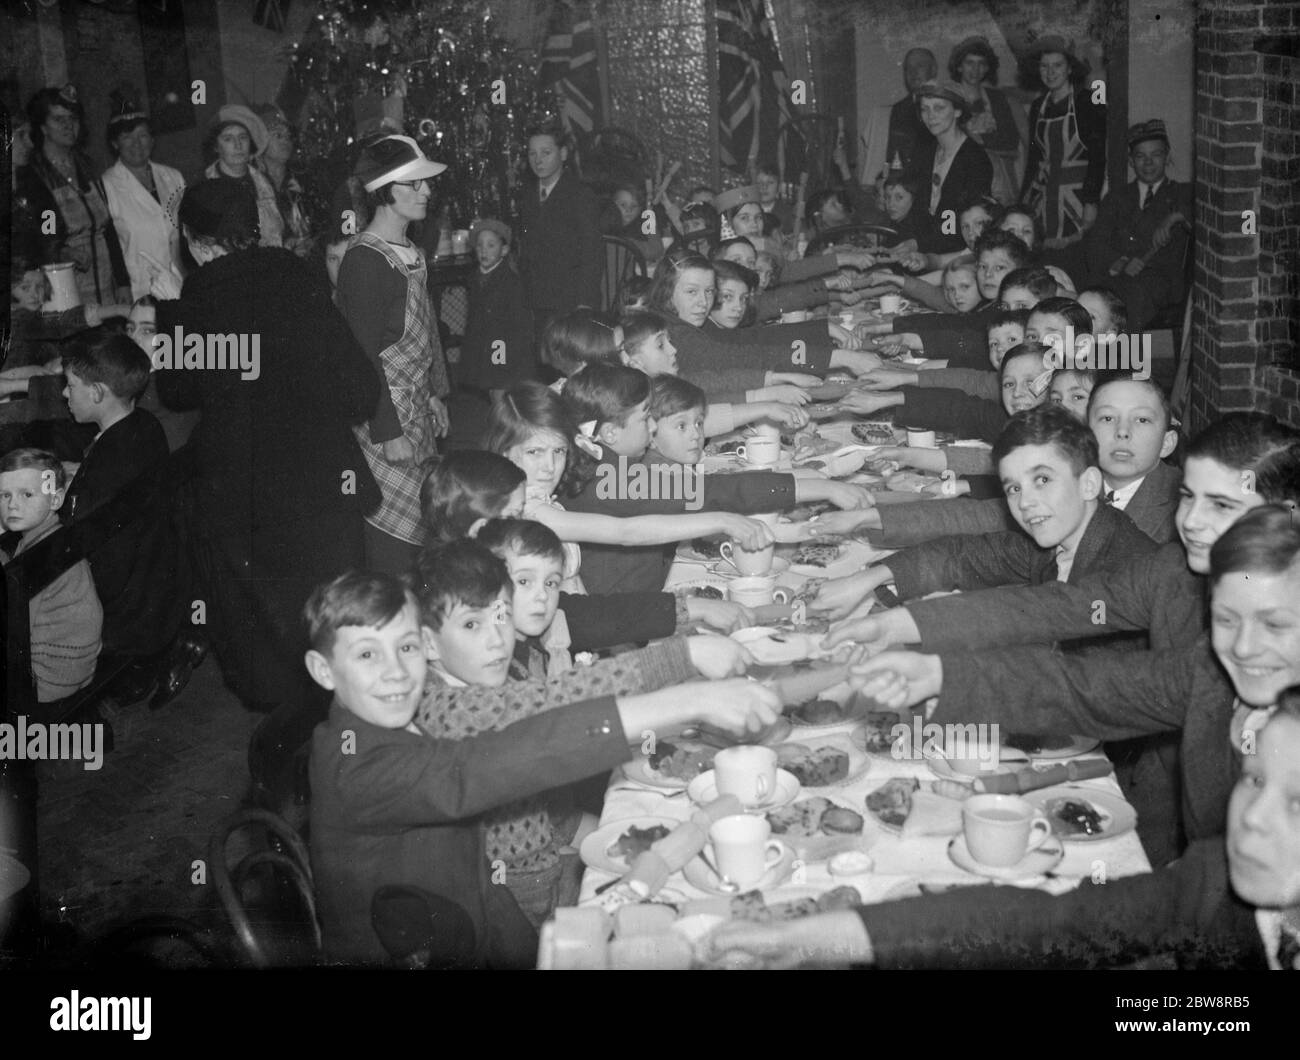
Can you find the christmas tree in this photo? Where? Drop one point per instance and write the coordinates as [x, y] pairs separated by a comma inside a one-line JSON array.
[[436, 70]]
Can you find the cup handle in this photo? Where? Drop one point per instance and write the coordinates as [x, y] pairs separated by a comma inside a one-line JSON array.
[[780, 595], [1043, 827], [740, 452], [726, 550], [760, 788], [773, 853]]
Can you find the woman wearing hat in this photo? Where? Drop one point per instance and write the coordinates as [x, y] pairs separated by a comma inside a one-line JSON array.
[[273, 163], [279, 489], [954, 168], [973, 66], [1066, 166], [235, 137], [140, 193], [58, 182], [383, 294]]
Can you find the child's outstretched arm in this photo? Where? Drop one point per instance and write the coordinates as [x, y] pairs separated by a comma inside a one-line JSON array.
[[594, 529]]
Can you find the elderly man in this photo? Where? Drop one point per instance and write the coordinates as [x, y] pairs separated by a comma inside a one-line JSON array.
[[905, 128], [1138, 245]]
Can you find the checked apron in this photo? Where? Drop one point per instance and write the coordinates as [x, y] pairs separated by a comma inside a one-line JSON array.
[[415, 372], [1055, 191], [86, 216]]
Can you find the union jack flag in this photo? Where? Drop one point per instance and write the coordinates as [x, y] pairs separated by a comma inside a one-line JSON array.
[[753, 91], [570, 67]]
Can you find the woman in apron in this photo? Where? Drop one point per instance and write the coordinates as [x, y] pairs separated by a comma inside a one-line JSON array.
[[1066, 167], [59, 181], [383, 294]]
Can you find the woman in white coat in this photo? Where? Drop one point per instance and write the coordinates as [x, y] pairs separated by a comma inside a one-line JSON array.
[[141, 195]]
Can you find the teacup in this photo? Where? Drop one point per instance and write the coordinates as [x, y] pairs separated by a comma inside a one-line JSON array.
[[1001, 829], [920, 439], [743, 847], [890, 304], [763, 430], [747, 772], [757, 590], [760, 452], [747, 561]]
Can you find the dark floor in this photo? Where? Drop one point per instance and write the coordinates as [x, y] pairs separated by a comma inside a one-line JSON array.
[[128, 840]]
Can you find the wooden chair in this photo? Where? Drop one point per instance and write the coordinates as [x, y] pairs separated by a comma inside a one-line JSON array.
[[623, 260], [868, 237], [278, 856]]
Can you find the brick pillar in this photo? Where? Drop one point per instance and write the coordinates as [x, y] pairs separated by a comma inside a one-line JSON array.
[[1244, 304]]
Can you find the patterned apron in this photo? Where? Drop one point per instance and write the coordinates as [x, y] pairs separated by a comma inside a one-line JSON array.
[[1062, 172], [415, 372], [85, 217]]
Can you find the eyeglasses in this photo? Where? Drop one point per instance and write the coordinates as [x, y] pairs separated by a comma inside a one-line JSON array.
[[412, 184]]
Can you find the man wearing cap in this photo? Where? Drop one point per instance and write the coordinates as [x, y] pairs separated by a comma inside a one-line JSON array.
[[382, 293], [905, 128], [235, 137], [1138, 246]]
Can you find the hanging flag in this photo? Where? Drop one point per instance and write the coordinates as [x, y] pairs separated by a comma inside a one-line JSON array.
[[570, 67], [753, 91], [271, 13]]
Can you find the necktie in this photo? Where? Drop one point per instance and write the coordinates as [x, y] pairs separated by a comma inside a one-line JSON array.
[[545, 192], [1110, 496], [1148, 191], [1288, 950]]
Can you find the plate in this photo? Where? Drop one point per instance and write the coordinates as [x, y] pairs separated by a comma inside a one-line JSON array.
[[776, 734], [594, 850], [853, 709], [859, 761], [939, 766], [685, 587], [687, 553], [704, 790], [1038, 861], [1078, 745], [639, 771], [700, 875], [774, 647], [725, 569], [1117, 816], [853, 555]]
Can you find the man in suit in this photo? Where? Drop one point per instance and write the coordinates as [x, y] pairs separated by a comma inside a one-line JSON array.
[[563, 256], [1139, 243], [905, 128]]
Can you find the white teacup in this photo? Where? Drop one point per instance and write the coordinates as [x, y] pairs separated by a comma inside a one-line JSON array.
[[760, 452], [763, 430], [921, 439], [1001, 829], [747, 772], [743, 847], [756, 561], [757, 590], [890, 303]]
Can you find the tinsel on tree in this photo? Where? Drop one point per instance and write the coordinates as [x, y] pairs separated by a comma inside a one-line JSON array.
[[440, 71]]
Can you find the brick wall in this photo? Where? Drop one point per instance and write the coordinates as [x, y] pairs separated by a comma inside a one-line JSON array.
[[1245, 322]]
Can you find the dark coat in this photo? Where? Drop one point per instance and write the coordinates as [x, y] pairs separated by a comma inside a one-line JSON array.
[[969, 177], [137, 573], [277, 448], [404, 808], [906, 132], [1188, 909], [602, 621], [952, 410], [562, 254], [498, 313]]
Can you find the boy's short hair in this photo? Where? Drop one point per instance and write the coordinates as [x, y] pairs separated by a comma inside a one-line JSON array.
[[1034, 278], [734, 241], [996, 239], [767, 169], [1049, 425], [605, 393], [903, 179], [670, 394], [552, 127], [1004, 317], [1075, 315], [1263, 541], [1103, 378], [112, 360], [41, 460], [777, 262], [641, 324], [817, 202], [958, 264], [1258, 443], [1027, 349], [524, 536], [1114, 304], [464, 486], [457, 572], [576, 338], [730, 270], [355, 598]]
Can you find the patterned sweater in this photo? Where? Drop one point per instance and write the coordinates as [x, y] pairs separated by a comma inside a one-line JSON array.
[[521, 834]]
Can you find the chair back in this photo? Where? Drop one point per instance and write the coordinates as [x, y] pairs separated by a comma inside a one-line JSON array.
[[278, 856], [623, 260], [868, 237]]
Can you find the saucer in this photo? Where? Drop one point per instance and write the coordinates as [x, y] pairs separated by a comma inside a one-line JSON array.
[[700, 875], [1009, 760], [704, 790], [1038, 861], [595, 850]]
